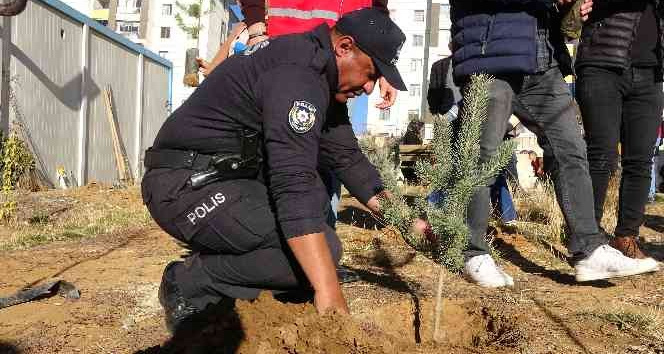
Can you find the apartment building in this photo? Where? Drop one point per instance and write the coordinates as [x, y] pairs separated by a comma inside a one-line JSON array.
[[411, 16]]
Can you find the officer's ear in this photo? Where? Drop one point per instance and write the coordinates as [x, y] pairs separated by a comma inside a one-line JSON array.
[[343, 45]]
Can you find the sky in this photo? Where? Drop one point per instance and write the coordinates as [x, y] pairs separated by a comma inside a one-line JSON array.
[[358, 112]]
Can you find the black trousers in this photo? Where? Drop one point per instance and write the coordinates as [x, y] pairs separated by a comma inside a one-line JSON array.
[[232, 229], [621, 107]]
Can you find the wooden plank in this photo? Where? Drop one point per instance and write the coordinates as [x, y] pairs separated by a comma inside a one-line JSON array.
[[121, 159], [413, 153], [414, 149]]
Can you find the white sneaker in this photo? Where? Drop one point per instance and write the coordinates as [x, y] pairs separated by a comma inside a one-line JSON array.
[[608, 262], [483, 271]]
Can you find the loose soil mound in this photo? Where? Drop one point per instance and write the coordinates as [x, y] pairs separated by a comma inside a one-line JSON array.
[[268, 326]]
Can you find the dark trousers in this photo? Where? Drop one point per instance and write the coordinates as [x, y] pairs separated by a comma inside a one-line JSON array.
[[543, 103], [621, 107], [238, 249]]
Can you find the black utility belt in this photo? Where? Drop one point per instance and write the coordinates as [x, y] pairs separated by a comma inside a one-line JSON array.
[[211, 168], [176, 159], [208, 168]]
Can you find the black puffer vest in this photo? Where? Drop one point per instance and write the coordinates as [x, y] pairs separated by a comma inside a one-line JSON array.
[[607, 37]]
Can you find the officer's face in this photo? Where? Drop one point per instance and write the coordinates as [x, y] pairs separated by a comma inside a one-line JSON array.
[[357, 73]]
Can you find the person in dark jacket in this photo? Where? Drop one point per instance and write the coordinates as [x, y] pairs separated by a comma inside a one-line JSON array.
[[619, 90], [519, 42], [234, 175]]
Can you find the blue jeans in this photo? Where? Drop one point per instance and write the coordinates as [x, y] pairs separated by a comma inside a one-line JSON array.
[[333, 186], [653, 174], [544, 104], [501, 199]]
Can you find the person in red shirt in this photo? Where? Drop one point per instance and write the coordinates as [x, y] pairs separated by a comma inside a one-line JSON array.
[[296, 16]]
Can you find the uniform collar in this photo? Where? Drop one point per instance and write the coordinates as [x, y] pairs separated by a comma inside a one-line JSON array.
[[322, 35]]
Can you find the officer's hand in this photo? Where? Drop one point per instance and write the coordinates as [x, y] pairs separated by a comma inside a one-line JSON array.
[[586, 9], [204, 66], [330, 301], [374, 202], [313, 254], [387, 93]]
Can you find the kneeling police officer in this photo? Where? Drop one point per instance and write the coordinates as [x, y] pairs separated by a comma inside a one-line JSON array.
[[233, 171]]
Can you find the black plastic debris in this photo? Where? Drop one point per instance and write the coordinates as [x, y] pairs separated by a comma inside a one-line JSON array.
[[59, 287]]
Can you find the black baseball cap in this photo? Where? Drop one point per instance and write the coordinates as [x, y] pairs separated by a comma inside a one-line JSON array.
[[377, 36]]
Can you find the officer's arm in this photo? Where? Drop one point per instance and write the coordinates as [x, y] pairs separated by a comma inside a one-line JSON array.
[[340, 153], [294, 100], [313, 254]]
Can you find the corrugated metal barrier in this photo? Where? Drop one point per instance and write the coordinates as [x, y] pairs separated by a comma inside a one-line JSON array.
[[56, 64]]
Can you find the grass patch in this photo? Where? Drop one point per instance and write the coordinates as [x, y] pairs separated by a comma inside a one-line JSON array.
[[650, 323], [538, 215], [96, 212], [540, 218]]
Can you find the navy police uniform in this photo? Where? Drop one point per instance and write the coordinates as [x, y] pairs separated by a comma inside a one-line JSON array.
[[272, 110]]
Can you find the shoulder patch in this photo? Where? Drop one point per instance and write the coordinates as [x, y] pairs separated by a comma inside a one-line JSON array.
[[302, 116]]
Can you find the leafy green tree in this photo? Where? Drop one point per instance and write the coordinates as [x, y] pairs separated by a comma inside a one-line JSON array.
[[188, 18]]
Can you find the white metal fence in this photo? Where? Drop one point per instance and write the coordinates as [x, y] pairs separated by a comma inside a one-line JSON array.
[[56, 64]]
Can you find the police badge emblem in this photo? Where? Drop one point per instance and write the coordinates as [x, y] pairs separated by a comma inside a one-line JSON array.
[[302, 116]]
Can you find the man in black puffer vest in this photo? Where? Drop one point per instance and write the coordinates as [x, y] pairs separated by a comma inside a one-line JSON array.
[[619, 90], [519, 42]]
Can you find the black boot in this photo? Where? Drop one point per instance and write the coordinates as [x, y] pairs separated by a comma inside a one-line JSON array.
[[175, 305]]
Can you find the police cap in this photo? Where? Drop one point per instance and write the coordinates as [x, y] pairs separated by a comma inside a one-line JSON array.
[[377, 36]]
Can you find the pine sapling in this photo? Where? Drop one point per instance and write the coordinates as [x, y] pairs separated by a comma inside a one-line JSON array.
[[450, 180]]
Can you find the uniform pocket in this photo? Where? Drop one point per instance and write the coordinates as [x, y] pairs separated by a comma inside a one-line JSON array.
[[233, 218], [206, 205], [242, 230]]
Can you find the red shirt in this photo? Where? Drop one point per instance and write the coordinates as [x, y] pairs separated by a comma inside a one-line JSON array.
[[297, 16]]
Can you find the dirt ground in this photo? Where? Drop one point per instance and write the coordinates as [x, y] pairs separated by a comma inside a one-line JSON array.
[[118, 274]]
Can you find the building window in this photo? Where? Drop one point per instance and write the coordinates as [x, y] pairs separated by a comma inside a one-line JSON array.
[[415, 90], [163, 53], [166, 9], [128, 27], [165, 32], [418, 16], [415, 64], [384, 114], [418, 40], [413, 114]]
